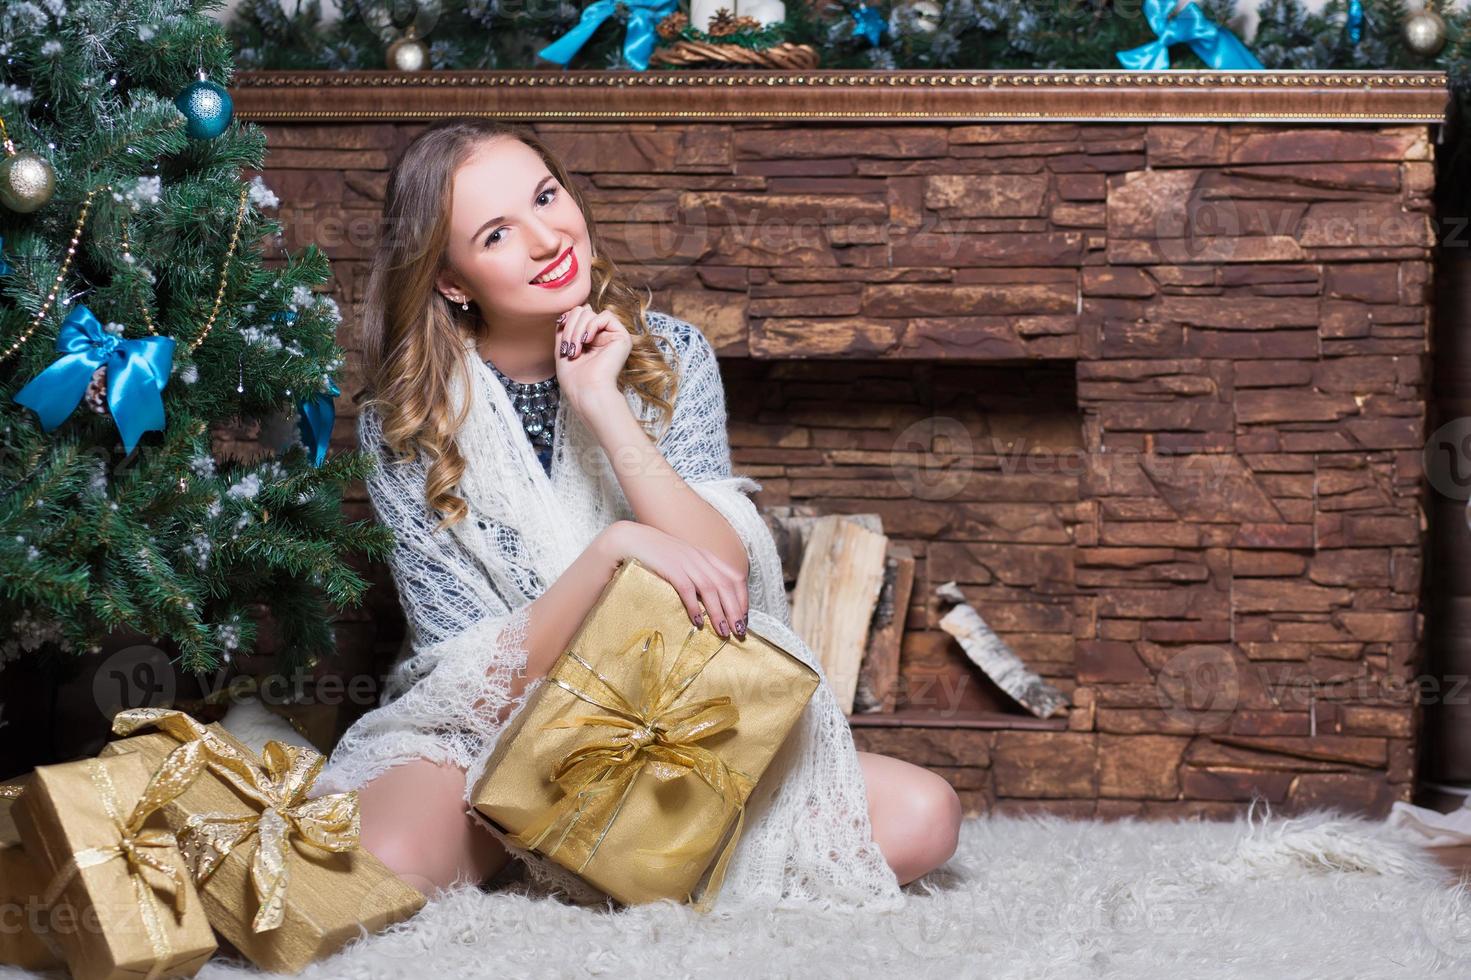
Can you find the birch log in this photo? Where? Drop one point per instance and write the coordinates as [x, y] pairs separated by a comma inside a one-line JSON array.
[[837, 589], [990, 653]]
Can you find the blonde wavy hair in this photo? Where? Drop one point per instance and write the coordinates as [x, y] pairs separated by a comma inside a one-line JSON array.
[[413, 337]]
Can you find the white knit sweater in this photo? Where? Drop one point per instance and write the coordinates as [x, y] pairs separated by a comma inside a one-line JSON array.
[[466, 592]]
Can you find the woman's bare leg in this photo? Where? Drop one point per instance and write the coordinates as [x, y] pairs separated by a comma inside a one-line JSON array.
[[915, 815], [415, 820]]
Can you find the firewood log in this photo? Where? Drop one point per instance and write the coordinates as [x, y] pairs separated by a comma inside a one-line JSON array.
[[990, 653]]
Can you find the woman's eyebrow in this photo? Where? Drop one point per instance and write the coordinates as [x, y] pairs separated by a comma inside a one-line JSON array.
[[503, 217]]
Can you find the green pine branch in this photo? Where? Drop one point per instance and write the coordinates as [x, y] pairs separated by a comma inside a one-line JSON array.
[[176, 539]]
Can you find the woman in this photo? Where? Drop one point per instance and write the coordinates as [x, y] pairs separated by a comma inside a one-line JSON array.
[[532, 433]]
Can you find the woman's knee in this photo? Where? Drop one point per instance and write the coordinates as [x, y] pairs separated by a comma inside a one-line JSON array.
[[933, 813], [404, 852], [414, 819], [941, 812], [917, 815]]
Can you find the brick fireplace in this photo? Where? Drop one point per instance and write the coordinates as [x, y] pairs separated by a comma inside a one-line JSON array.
[[1151, 391]]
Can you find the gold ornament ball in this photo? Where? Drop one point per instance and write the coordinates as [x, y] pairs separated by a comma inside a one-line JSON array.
[[408, 54], [1424, 32], [26, 181]]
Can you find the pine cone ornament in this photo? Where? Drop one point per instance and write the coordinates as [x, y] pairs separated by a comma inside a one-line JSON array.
[[670, 27], [722, 23], [97, 391]]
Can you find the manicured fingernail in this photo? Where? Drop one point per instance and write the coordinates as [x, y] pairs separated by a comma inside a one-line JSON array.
[[699, 620], [740, 628], [724, 630]]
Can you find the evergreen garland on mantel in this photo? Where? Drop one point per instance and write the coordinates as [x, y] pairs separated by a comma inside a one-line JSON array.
[[917, 34]]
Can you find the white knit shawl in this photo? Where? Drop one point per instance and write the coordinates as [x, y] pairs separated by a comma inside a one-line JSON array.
[[466, 591]]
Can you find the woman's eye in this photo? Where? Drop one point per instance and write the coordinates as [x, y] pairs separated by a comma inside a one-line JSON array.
[[491, 239]]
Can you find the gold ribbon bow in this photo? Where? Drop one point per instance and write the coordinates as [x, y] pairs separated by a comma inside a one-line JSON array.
[[279, 783], [173, 776], [658, 734]]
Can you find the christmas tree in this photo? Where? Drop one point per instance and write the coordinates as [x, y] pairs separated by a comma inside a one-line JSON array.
[[146, 308]]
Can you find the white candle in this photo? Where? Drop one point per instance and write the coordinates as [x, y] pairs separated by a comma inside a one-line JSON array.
[[763, 11]]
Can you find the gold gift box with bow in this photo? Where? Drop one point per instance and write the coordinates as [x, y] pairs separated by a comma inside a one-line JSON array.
[[282, 876], [117, 891], [632, 763], [20, 894]]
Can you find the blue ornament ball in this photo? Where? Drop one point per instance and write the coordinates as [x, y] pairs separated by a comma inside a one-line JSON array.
[[207, 107]]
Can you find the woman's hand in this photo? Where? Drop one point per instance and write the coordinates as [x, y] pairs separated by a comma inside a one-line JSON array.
[[592, 348], [696, 573]]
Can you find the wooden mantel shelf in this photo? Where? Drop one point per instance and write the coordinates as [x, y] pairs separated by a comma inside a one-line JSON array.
[[957, 719], [1370, 97]]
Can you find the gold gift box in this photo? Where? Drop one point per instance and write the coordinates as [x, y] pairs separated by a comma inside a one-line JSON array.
[[631, 765], [20, 890], [330, 897], [110, 920]]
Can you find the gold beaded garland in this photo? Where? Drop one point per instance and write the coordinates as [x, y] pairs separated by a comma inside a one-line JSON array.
[[143, 307]]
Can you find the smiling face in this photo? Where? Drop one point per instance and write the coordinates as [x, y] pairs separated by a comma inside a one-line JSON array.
[[511, 220]]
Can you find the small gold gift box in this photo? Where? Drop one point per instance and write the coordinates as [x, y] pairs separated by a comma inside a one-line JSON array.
[[283, 877], [118, 894], [20, 894], [632, 764]]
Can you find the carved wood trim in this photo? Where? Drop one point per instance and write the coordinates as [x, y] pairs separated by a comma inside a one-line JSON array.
[[1377, 97]]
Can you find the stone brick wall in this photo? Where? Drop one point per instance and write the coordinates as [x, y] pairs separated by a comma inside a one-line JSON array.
[[1153, 394]]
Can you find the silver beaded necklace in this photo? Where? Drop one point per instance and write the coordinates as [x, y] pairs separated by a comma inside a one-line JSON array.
[[536, 402]]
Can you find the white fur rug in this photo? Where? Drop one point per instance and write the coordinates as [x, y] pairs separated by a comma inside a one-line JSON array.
[[1034, 897]]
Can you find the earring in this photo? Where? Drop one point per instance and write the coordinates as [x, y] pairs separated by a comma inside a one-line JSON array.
[[465, 305]]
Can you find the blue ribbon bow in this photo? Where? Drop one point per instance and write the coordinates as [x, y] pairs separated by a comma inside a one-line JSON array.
[[868, 23], [137, 371], [318, 416], [638, 43], [4, 266], [1215, 45]]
